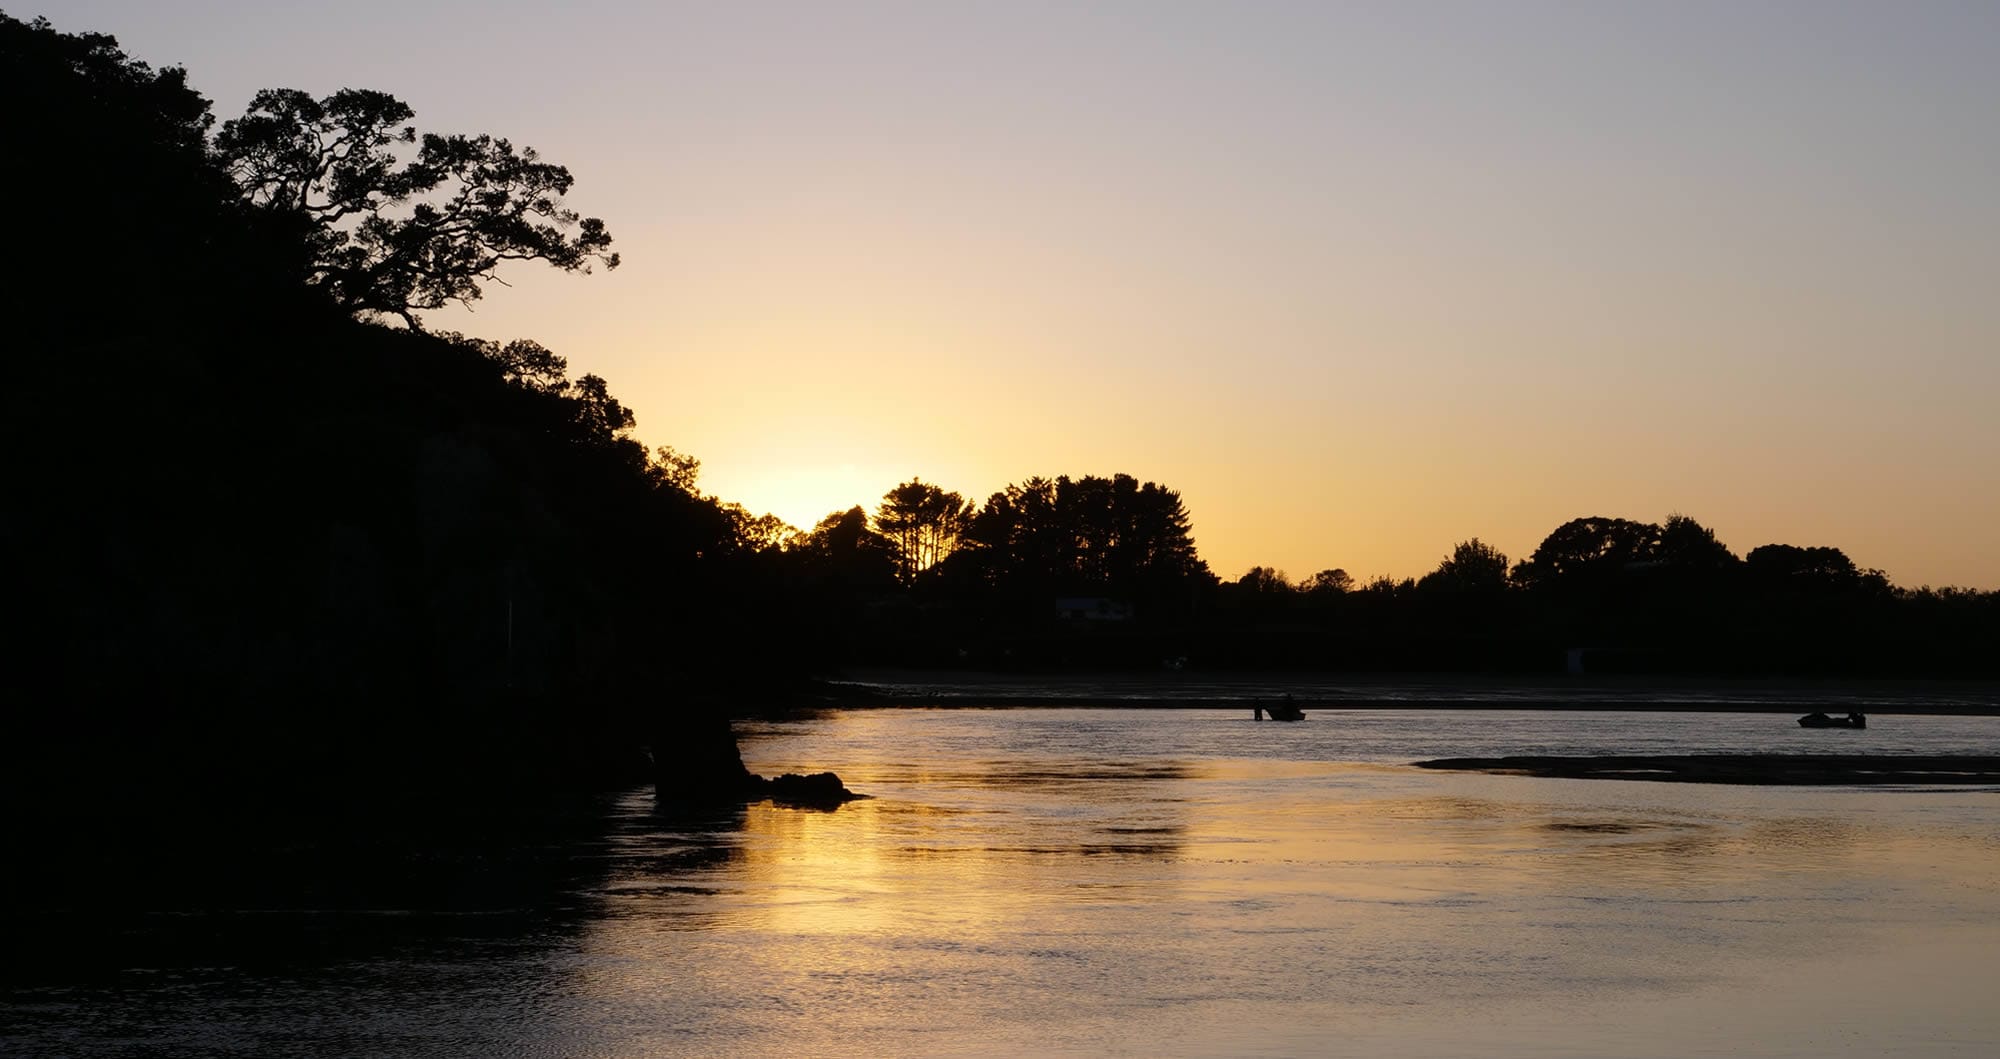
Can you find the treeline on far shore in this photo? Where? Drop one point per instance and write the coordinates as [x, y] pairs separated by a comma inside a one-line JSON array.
[[1611, 595], [1033, 585]]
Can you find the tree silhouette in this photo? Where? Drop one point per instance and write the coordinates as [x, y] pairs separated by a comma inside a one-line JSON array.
[[1265, 581], [765, 533], [1589, 550], [1330, 582], [844, 550], [923, 524], [1688, 547], [674, 469], [1115, 536], [598, 414], [1472, 566], [524, 362], [1785, 565], [388, 237]]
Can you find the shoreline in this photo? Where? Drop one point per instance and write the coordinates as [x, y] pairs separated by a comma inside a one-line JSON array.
[[976, 690]]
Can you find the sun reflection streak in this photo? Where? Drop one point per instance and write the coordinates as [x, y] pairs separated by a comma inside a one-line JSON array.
[[1080, 892]]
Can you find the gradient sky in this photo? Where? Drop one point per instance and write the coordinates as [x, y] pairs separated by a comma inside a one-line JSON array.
[[1360, 281]]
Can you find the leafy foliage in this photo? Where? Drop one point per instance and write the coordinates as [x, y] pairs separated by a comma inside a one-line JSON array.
[[1472, 566], [1265, 581], [845, 550], [923, 523], [1689, 547], [675, 470], [385, 236], [1809, 568], [1589, 550], [1329, 582], [523, 362], [1113, 536]]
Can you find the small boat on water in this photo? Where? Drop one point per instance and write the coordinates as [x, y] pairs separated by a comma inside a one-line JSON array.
[[1820, 720], [1279, 711]]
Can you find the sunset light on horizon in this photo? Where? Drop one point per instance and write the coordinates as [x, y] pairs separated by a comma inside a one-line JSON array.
[[1358, 281]]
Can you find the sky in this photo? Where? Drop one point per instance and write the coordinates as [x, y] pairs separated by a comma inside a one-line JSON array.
[[1360, 281]]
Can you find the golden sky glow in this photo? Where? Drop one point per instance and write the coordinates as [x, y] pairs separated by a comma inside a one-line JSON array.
[[1360, 282]]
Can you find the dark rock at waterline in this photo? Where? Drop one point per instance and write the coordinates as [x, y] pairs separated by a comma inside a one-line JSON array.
[[819, 790], [696, 762]]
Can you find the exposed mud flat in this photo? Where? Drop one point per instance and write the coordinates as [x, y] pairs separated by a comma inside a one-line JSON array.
[[1786, 769]]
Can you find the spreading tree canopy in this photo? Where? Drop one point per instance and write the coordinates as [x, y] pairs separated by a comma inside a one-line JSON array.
[[386, 235], [1589, 550]]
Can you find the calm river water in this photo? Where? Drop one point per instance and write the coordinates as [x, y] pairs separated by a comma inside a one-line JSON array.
[[1140, 882]]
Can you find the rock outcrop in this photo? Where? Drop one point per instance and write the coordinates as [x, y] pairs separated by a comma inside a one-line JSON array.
[[696, 762], [821, 790]]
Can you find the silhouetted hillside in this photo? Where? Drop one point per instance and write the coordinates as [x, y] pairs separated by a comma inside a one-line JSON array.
[[256, 539]]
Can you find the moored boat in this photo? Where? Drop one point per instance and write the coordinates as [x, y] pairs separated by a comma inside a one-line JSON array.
[[1820, 720], [1279, 711]]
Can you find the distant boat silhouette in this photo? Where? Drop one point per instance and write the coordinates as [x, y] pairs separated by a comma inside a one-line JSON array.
[[1820, 720], [1279, 711]]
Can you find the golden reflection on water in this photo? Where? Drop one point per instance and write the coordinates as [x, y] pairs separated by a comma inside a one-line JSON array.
[[851, 872], [1080, 901]]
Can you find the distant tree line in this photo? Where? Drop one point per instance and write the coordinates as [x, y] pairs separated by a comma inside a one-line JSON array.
[[932, 579], [1612, 595]]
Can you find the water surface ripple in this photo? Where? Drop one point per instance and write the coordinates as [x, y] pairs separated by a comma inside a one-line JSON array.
[[1120, 882]]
